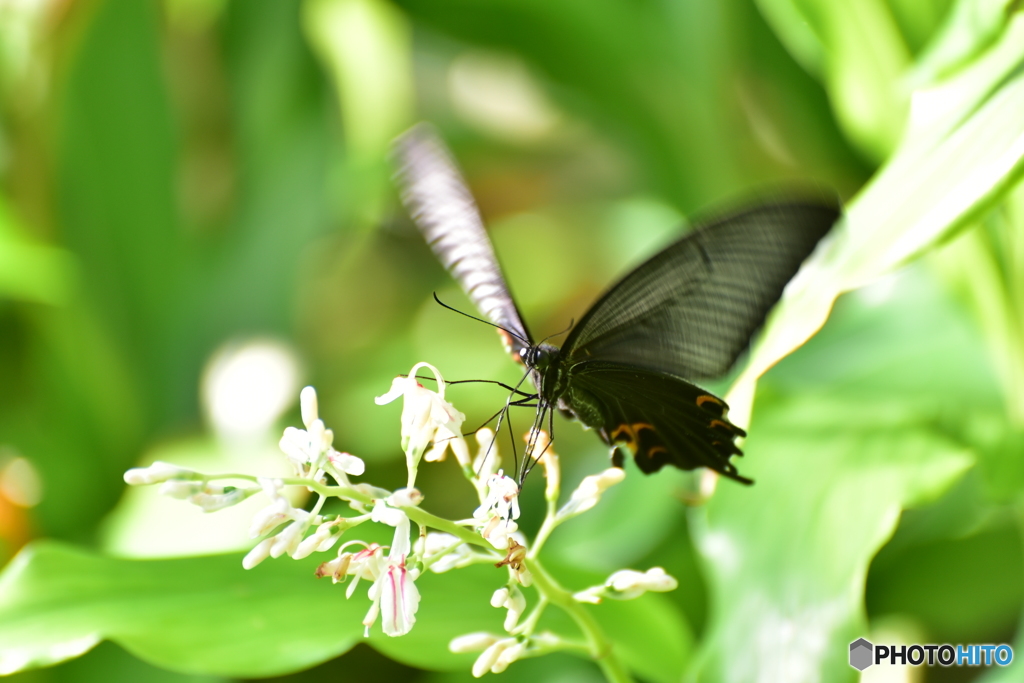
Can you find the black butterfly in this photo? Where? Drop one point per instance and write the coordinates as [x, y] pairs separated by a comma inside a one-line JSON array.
[[626, 368]]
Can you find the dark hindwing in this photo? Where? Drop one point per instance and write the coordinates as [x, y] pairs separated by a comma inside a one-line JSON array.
[[664, 419], [443, 208], [691, 309]]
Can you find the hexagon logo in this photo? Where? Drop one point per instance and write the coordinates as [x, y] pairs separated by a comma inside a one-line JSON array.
[[861, 654]]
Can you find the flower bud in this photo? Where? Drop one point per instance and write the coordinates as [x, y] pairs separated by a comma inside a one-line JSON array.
[[156, 473], [257, 554], [472, 642]]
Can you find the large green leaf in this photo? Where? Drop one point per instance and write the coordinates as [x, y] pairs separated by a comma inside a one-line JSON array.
[[196, 615], [208, 615], [788, 557], [962, 151], [858, 49]]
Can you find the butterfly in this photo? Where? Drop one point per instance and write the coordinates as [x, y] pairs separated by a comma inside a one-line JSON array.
[[629, 368]]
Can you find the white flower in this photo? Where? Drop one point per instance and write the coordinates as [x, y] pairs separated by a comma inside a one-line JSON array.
[[494, 659], [427, 418], [588, 493], [502, 498], [488, 459], [512, 599], [157, 473], [270, 517], [627, 584], [395, 597], [456, 554], [365, 564], [325, 536], [500, 507], [310, 449], [382, 512], [287, 542], [346, 462]]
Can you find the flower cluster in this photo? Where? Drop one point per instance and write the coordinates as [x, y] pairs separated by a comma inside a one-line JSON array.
[[431, 427]]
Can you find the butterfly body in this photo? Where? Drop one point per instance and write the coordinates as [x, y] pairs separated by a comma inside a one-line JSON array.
[[629, 368]]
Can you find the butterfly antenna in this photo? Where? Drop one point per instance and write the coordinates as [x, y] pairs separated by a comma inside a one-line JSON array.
[[507, 387], [551, 440], [501, 414], [558, 334], [481, 320]]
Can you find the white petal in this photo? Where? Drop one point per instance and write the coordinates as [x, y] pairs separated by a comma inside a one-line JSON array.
[[399, 600], [399, 385], [308, 406], [347, 463]]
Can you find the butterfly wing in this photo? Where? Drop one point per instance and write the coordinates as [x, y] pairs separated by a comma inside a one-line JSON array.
[[691, 309], [664, 419], [438, 200]]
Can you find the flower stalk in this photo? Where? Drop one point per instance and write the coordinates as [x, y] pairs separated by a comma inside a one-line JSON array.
[[430, 428]]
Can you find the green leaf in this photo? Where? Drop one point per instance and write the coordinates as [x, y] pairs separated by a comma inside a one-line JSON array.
[[31, 271], [365, 45], [963, 150], [208, 615], [787, 558], [979, 583], [858, 49], [202, 615]]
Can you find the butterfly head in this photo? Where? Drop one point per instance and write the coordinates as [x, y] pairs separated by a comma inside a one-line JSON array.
[[539, 357]]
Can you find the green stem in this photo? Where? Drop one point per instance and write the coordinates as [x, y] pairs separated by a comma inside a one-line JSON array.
[[424, 518], [598, 645], [549, 525]]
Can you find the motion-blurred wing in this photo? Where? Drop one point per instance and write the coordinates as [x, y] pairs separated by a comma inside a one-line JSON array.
[[691, 309], [441, 205]]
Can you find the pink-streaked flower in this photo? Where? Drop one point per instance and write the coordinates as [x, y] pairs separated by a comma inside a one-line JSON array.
[[627, 584], [395, 598], [588, 493], [363, 564], [427, 418]]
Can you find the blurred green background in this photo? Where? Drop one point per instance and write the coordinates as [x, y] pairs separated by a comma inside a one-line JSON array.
[[197, 219]]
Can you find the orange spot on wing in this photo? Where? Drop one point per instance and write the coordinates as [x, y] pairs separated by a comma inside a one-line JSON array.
[[708, 398]]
